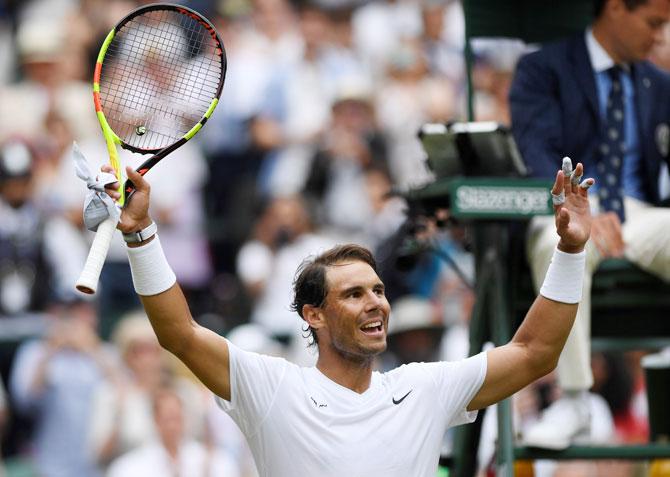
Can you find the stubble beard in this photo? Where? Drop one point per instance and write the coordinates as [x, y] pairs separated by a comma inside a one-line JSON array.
[[359, 355]]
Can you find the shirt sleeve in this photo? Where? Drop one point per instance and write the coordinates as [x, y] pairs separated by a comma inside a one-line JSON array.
[[254, 381], [458, 382]]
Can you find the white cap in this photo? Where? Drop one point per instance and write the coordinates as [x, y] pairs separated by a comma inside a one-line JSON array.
[[16, 160], [254, 338], [413, 313], [353, 87], [40, 40]]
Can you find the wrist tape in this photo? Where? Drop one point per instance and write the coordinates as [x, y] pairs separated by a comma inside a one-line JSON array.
[[151, 271], [565, 277]]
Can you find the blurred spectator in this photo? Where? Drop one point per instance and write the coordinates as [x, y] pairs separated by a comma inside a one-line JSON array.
[[492, 72], [246, 126], [492, 90], [172, 453], [88, 25], [46, 85], [409, 97], [455, 296], [35, 268], [443, 52], [53, 380], [275, 42], [306, 88], [379, 28], [284, 236], [122, 419], [51, 150], [415, 331], [351, 145], [387, 210], [343, 32]]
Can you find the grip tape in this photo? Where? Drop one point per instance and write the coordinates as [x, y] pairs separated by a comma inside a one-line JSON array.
[[88, 280]]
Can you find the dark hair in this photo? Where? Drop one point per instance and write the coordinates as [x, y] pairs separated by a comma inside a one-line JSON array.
[[309, 285], [599, 5]]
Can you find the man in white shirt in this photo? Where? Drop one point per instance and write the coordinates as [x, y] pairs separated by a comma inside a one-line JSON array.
[[340, 417]]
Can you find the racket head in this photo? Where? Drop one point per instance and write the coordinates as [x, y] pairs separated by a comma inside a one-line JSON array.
[[158, 77]]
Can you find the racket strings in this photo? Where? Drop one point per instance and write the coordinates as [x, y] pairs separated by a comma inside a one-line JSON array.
[[159, 76]]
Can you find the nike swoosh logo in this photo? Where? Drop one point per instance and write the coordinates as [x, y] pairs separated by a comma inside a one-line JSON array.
[[398, 401]]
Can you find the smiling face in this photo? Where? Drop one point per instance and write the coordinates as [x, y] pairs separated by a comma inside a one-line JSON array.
[[354, 316]]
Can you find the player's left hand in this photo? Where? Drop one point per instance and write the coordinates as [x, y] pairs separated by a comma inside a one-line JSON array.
[[571, 207]]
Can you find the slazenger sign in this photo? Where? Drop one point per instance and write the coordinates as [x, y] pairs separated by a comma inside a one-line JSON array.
[[504, 198]]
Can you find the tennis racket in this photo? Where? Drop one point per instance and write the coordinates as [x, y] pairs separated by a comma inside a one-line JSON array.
[[158, 78]]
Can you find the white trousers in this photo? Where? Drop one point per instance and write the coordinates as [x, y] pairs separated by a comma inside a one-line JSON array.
[[646, 235]]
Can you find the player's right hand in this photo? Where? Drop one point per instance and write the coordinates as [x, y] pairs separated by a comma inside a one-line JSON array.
[[135, 213]]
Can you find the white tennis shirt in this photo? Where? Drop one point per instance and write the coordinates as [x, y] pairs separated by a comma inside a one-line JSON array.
[[300, 423]]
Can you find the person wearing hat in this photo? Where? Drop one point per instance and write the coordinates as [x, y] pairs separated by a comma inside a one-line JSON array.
[[349, 149], [46, 84], [415, 331], [37, 270], [22, 239], [53, 380]]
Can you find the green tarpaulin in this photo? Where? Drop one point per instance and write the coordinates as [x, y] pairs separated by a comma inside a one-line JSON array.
[[530, 20]]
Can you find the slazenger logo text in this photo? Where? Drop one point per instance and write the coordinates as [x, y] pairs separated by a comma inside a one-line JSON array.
[[496, 199]]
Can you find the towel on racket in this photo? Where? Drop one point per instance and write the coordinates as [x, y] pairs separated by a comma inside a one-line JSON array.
[[98, 205]]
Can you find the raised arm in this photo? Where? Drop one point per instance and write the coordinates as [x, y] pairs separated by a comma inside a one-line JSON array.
[[204, 352], [537, 344]]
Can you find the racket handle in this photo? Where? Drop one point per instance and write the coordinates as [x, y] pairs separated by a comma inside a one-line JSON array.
[[88, 280]]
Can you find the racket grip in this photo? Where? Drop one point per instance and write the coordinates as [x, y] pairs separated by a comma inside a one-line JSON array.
[[88, 280]]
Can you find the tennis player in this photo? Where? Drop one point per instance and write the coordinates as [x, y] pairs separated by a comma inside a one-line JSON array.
[[341, 418]]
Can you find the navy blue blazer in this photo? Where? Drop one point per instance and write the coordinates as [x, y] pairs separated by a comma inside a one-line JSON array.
[[555, 112]]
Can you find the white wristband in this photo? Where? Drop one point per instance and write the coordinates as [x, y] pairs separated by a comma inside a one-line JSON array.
[[150, 269], [565, 278]]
